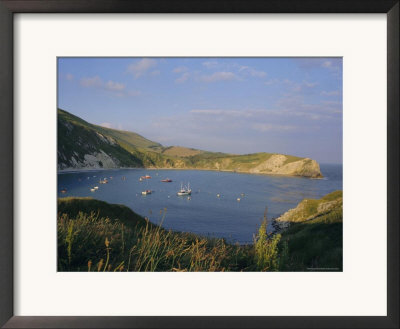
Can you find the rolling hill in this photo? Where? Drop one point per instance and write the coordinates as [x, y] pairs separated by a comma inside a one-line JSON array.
[[82, 145]]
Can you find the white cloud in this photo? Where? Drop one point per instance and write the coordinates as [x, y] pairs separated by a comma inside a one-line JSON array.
[[141, 67], [111, 85], [298, 87], [252, 72], [263, 127], [185, 76], [180, 69], [97, 82], [91, 82], [330, 93], [115, 88], [232, 113], [210, 64], [271, 82], [155, 73], [309, 84], [295, 106], [327, 64], [106, 125], [219, 76]]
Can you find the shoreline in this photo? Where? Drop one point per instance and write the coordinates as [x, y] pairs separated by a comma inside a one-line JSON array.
[[77, 170]]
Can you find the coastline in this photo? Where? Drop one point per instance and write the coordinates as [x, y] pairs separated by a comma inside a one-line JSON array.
[[76, 170]]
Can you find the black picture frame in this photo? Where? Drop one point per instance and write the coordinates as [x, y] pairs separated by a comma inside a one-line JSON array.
[[10, 7]]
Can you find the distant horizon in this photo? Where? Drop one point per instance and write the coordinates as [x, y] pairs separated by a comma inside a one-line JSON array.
[[289, 106]]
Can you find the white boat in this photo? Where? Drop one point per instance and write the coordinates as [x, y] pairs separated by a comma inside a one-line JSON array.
[[92, 190], [146, 192], [184, 190], [96, 187]]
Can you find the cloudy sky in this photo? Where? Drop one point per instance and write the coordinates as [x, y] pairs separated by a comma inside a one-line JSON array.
[[235, 105]]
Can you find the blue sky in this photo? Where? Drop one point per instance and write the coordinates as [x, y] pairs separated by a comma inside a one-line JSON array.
[[235, 105]]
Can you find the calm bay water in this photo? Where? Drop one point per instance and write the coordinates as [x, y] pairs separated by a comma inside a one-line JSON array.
[[204, 213]]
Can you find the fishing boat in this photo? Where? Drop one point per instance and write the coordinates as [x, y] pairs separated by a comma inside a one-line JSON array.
[[146, 192], [167, 180], [103, 181], [64, 190], [184, 190], [144, 177]]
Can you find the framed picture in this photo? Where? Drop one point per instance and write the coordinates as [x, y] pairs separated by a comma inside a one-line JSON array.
[[190, 164]]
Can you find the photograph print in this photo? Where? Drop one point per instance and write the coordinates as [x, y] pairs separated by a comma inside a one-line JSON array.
[[194, 164]]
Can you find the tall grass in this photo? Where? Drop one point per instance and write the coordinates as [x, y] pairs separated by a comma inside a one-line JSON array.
[[266, 248], [94, 242], [89, 239]]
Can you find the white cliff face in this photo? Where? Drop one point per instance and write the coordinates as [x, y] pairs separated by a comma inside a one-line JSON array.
[[106, 139], [96, 160], [276, 165]]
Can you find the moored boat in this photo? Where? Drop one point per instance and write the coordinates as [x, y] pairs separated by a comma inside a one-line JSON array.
[[146, 192], [184, 190], [167, 180]]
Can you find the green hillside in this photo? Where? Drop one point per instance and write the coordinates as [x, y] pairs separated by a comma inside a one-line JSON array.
[[121, 136], [314, 238], [94, 235], [85, 145], [72, 206], [111, 148], [77, 138]]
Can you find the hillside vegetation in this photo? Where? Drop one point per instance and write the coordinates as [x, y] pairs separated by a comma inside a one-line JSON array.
[[179, 151], [314, 237], [84, 145], [96, 236], [104, 237]]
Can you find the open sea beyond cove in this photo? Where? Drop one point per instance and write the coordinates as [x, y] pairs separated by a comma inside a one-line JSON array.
[[222, 204]]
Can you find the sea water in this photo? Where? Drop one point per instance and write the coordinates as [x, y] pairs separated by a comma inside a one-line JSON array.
[[222, 204]]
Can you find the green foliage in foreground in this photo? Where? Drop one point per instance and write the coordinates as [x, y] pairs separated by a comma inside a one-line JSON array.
[[95, 239], [316, 244], [96, 236], [73, 206]]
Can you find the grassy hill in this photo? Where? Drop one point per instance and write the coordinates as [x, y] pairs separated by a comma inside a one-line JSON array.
[[180, 151], [85, 145], [314, 238], [127, 137], [96, 236], [82, 144], [72, 206]]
